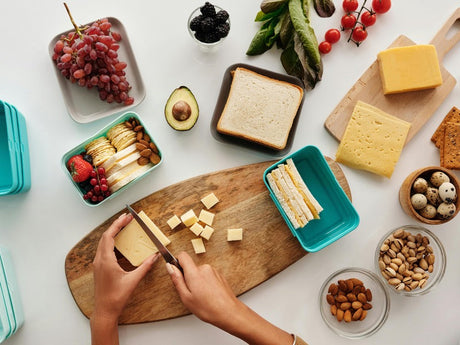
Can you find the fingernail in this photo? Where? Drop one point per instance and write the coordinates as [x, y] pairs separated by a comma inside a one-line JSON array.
[[122, 215], [169, 268]]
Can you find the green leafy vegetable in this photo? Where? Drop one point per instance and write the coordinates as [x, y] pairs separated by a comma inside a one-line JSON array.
[[268, 6]]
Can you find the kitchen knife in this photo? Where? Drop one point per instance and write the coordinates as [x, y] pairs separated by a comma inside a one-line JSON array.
[[161, 248]]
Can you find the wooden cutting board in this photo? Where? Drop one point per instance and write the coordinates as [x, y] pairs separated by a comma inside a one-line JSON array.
[[267, 247], [415, 107]]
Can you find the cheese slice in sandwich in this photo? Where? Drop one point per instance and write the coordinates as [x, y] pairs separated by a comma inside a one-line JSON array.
[[122, 173], [123, 162], [260, 109], [131, 176], [283, 201]]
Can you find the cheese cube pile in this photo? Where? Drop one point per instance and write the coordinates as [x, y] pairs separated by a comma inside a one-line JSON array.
[[373, 140]]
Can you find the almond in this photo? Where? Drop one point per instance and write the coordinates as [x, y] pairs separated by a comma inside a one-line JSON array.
[[333, 289], [146, 137], [356, 305], [339, 315], [128, 124], [334, 309], [154, 158], [363, 315], [367, 306], [351, 297], [345, 306], [153, 147], [139, 136], [138, 128], [347, 316], [143, 142], [357, 314], [140, 146], [362, 297], [330, 299], [146, 153], [342, 285], [143, 161], [341, 299]]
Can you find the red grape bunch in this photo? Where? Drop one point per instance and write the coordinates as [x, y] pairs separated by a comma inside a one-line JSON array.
[[88, 57]]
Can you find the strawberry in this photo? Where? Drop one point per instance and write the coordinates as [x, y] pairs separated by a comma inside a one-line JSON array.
[[79, 168]]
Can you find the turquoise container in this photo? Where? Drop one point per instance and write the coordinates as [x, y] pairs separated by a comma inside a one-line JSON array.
[[338, 217]]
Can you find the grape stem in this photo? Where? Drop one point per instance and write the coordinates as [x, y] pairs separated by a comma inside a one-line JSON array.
[[77, 29]]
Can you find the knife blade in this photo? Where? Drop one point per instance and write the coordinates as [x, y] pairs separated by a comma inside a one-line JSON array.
[[161, 248]]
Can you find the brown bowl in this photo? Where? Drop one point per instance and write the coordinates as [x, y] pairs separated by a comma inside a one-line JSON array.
[[405, 193]]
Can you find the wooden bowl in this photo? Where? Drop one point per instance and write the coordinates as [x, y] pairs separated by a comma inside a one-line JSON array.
[[405, 193]]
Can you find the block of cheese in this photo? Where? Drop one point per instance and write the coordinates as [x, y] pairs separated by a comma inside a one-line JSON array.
[[189, 218], [134, 243], [210, 200], [196, 228], [234, 234], [198, 246], [207, 232], [409, 68], [206, 217], [373, 140], [173, 221]]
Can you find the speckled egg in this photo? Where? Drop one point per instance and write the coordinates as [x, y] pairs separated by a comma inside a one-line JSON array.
[[429, 211], [438, 178], [447, 192], [420, 185], [446, 210], [418, 201], [432, 195]]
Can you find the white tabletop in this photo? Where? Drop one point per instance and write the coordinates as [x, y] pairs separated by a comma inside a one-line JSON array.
[[41, 226]]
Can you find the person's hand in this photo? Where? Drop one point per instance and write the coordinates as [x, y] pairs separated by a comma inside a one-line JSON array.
[[112, 285], [204, 292]]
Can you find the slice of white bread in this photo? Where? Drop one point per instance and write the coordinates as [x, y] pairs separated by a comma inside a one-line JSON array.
[[260, 109]]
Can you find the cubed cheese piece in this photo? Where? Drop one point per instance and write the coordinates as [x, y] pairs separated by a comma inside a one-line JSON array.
[[198, 246], [409, 68], [207, 232], [173, 221], [189, 218], [373, 140], [134, 243], [196, 228], [209, 200], [206, 217], [234, 234]]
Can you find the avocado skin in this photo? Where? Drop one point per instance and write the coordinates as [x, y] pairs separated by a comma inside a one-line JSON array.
[[182, 93]]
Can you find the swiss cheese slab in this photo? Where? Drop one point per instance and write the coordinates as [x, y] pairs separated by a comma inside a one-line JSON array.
[[373, 140], [134, 243]]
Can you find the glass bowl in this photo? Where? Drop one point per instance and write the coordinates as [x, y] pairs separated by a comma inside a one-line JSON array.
[[434, 277], [376, 316], [205, 46]]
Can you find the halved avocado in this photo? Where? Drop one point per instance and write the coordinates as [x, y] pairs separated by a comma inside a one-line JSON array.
[[181, 109]]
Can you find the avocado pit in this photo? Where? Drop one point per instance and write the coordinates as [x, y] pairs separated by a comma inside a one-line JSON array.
[[181, 110]]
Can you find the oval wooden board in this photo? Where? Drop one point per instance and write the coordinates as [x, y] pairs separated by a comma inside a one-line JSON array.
[[267, 247]]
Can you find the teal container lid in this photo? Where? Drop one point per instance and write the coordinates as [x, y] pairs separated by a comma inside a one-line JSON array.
[[338, 217], [9, 179], [23, 150]]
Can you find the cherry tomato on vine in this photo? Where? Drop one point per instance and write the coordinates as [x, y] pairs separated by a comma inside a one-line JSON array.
[[348, 21], [324, 47], [381, 6], [368, 18], [332, 36], [359, 34], [350, 5]]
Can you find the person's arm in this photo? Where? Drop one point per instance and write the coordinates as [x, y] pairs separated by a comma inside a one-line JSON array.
[[112, 285], [207, 295]]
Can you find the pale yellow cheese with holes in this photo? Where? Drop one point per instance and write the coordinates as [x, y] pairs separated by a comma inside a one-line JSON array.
[[198, 246], [206, 217], [134, 243], [207, 232], [373, 140], [210, 200], [235, 234], [189, 218], [173, 222], [409, 68]]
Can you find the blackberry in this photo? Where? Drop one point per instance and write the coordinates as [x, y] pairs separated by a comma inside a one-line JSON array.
[[222, 30], [207, 25], [211, 37], [200, 36], [195, 23], [222, 16], [208, 10], [88, 158]]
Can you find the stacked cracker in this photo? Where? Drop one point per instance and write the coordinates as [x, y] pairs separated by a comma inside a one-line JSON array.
[[100, 149], [295, 198], [447, 140]]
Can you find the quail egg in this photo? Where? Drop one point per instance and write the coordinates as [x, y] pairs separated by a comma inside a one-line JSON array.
[[447, 192], [418, 201], [420, 185], [432, 195], [446, 210], [438, 178], [429, 211]]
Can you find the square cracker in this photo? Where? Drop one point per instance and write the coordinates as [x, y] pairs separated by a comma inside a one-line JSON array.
[[438, 136], [451, 149]]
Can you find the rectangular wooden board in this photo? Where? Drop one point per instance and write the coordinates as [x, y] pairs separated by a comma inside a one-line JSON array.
[[414, 107], [267, 247]]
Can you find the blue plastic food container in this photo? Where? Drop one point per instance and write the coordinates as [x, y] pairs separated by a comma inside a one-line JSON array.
[[81, 148], [338, 217]]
